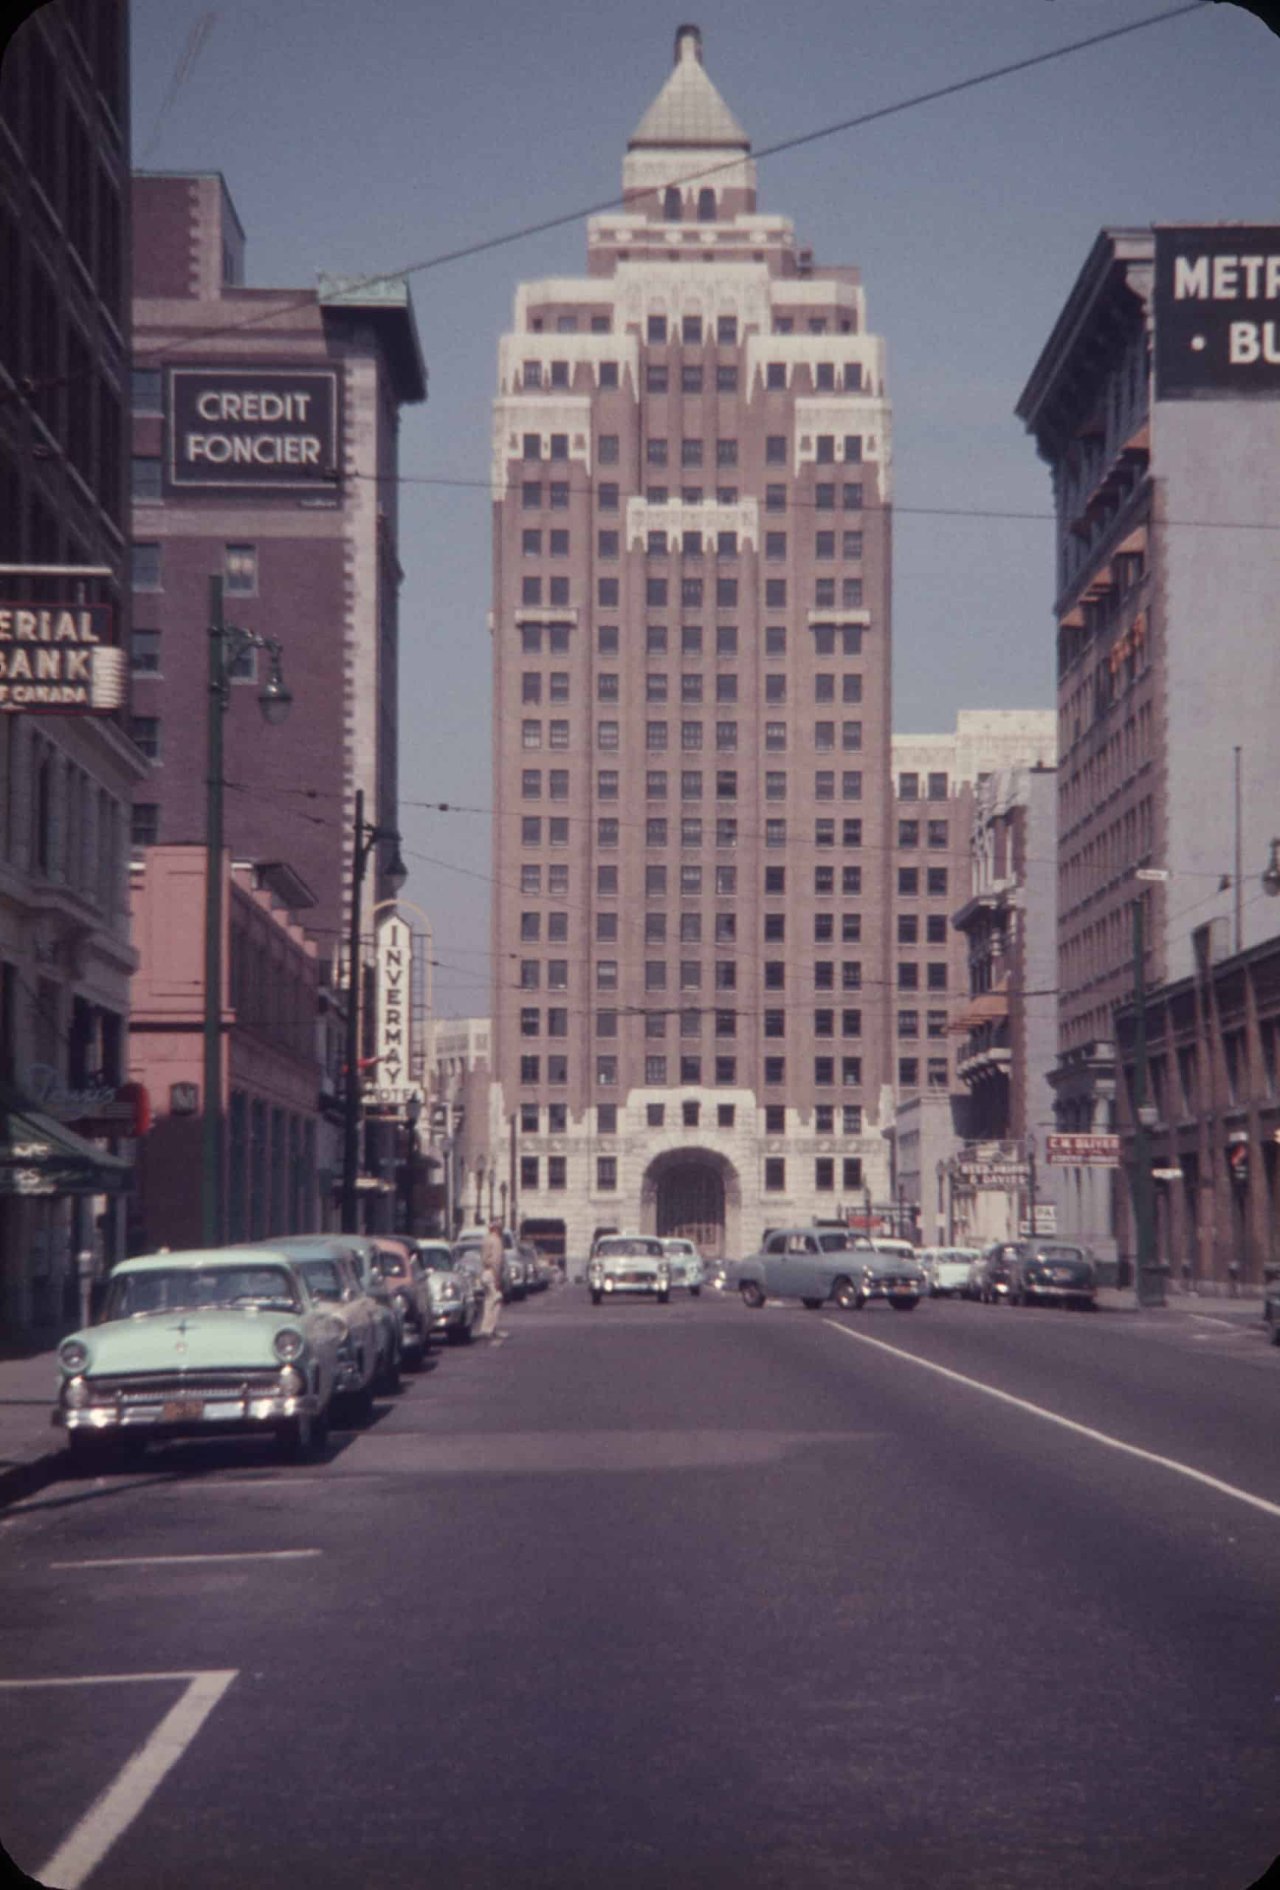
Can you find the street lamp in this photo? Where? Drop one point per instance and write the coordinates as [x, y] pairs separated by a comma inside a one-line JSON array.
[[1271, 873], [365, 838], [227, 645]]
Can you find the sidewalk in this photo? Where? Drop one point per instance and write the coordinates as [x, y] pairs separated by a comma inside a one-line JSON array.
[[1245, 1309], [31, 1449]]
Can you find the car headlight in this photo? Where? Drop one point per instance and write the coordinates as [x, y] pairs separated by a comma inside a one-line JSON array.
[[73, 1355], [288, 1343], [291, 1382], [449, 1289], [75, 1394]]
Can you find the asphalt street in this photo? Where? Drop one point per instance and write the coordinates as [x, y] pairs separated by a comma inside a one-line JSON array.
[[691, 1596]]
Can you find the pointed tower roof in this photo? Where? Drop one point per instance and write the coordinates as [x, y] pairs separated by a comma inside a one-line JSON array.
[[688, 111]]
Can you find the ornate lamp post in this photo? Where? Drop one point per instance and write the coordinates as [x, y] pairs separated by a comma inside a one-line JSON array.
[[366, 837], [227, 645]]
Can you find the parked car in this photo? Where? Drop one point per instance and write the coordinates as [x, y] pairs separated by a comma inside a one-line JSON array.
[[687, 1269], [363, 1257], [410, 1291], [332, 1281], [215, 1341], [628, 1264], [457, 1292], [1051, 1272], [466, 1257], [947, 1270], [539, 1271], [811, 1264], [514, 1285]]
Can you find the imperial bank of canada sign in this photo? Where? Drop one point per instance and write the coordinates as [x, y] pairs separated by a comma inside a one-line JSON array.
[[268, 429], [60, 659], [1217, 311]]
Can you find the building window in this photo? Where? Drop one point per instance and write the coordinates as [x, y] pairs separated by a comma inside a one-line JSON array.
[[145, 731], [908, 833], [908, 787], [557, 1171], [908, 1073], [775, 1174], [824, 1174], [606, 449], [936, 833], [146, 571], [908, 882], [936, 882]]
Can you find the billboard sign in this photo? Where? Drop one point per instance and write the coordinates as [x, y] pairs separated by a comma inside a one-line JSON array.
[[1083, 1151], [1217, 311], [994, 1176], [248, 428], [394, 965], [60, 659]]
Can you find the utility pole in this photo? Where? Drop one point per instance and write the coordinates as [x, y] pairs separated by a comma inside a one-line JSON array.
[[1149, 1283], [1031, 1186]]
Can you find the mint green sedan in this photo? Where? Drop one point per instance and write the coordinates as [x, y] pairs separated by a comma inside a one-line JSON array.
[[196, 1344]]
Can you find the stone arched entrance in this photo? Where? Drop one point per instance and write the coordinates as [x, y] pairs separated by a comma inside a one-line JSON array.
[[693, 1194]]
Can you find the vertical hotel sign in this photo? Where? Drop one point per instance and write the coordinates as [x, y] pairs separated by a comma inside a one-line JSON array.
[[60, 659], [393, 957], [1217, 311]]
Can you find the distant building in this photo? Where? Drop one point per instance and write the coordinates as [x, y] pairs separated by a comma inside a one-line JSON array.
[[1213, 1060], [67, 766], [691, 638], [468, 1140], [1006, 1034], [1154, 404], [273, 1051]]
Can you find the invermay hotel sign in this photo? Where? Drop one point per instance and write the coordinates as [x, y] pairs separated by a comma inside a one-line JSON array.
[[249, 428]]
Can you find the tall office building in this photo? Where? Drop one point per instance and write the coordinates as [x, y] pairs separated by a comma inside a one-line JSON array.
[[691, 642], [1153, 403]]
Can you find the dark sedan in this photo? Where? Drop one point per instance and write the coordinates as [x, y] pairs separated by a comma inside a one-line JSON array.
[[1051, 1273]]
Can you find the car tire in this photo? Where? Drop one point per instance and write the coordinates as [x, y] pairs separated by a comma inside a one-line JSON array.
[[751, 1294], [387, 1377], [695, 1292], [596, 1296], [458, 1335], [664, 1299], [93, 1451], [900, 1304], [812, 1305], [360, 1404], [845, 1295]]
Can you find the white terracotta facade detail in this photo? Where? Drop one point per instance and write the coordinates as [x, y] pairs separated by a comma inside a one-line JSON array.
[[676, 517]]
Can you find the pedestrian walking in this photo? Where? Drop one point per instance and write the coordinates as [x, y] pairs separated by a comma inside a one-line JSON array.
[[491, 1261]]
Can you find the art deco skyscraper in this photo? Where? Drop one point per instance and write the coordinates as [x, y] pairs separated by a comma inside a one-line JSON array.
[[691, 479]]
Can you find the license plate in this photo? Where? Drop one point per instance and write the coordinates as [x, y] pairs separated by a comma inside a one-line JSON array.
[[183, 1410]]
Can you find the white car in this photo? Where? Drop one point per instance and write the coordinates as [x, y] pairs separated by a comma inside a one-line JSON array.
[[947, 1270], [687, 1269], [626, 1264]]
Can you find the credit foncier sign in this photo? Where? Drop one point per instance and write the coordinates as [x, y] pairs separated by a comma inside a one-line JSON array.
[[1217, 304], [248, 427]]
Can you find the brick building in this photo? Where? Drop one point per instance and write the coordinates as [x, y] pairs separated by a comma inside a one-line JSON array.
[[273, 1047], [67, 772], [691, 644], [265, 451], [1153, 403]]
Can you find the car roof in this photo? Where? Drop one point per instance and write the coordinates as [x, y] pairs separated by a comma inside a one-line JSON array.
[[202, 1257]]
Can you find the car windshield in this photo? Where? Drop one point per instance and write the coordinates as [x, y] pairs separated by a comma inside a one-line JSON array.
[[1058, 1253], [683, 1249], [439, 1258], [835, 1242], [323, 1277], [392, 1264], [196, 1289], [623, 1249]]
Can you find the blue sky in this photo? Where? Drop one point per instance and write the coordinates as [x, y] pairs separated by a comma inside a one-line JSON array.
[[373, 137]]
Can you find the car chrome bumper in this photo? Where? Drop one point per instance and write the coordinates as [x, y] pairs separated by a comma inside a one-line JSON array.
[[215, 1413]]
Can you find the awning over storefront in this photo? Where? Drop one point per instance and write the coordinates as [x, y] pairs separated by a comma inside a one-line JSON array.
[[39, 1156]]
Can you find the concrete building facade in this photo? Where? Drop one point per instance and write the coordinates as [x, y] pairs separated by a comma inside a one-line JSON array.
[[1153, 403], [692, 476], [67, 766]]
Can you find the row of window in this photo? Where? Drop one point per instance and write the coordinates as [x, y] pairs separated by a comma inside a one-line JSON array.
[[691, 329], [725, 976], [828, 638], [827, 686], [693, 592], [657, 738], [827, 448], [825, 376], [725, 926], [239, 568], [555, 1022], [609, 834], [691, 779], [534, 495], [775, 1117], [725, 883], [659, 1071], [692, 544]]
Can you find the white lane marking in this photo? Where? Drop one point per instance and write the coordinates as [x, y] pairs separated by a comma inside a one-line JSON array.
[[115, 1809], [167, 1561], [1068, 1424]]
